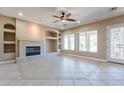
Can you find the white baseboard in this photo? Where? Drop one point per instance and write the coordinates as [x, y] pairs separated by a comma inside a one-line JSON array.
[[8, 61], [85, 57]]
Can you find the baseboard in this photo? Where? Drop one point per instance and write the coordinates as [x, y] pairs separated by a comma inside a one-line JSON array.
[[85, 57], [8, 61]]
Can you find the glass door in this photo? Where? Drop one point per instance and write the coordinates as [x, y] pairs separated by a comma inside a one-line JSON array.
[[115, 46]]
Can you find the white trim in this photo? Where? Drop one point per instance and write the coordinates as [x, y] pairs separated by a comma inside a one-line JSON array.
[[48, 37], [8, 30], [9, 42], [87, 40], [7, 61], [108, 43], [85, 57], [116, 25]]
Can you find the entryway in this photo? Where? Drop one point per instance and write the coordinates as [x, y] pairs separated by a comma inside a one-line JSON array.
[[115, 43]]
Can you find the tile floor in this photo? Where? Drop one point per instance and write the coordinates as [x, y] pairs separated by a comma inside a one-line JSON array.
[[60, 70]]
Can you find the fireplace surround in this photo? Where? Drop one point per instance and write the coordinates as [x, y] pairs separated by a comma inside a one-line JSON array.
[[29, 48]]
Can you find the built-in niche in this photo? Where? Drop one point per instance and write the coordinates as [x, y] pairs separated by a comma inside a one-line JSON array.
[[51, 45], [51, 34], [51, 41], [9, 26], [9, 48], [9, 38]]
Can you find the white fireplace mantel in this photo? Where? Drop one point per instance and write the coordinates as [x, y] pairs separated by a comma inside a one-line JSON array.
[[24, 43]]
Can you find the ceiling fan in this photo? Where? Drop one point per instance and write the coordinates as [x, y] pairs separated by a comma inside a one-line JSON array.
[[64, 17]]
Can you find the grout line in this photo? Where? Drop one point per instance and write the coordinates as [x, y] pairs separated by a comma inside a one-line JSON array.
[[73, 82], [57, 82], [89, 82]]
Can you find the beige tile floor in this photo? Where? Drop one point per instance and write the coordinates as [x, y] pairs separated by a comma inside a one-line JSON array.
[[60, 70]]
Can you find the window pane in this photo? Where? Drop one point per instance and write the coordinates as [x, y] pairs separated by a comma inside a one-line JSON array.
[[82, 41], [66, 42], [71, 41], [117, 43], [92, 37]]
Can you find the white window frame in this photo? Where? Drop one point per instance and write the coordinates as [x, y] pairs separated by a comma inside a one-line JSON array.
[[64, 42], [69, 41], [87, 41], [79, 41]]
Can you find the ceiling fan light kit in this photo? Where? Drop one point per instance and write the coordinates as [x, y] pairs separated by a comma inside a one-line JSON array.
[[63, 21], [65, 16]]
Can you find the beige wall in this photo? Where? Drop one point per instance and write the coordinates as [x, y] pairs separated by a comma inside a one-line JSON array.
[[101, 27], [26, 30], [29, 31]]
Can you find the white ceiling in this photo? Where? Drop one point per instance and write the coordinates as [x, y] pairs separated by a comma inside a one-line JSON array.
[[43, 15]]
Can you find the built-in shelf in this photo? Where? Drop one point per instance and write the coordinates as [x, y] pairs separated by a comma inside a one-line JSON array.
[[9, 26], [9, 48], [51, 34], [51, 45], [52, 41], [48, 37], [9, 38], [59, 37], [59, 40], [9, 42], [59, 43], [9, 30]]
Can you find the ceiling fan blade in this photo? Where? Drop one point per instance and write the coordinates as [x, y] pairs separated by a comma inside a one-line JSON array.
[[68, 15], [55, 21], [56, 16], [70, 19]]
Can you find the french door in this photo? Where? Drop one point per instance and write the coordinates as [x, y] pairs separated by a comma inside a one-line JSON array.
[[115, 43]]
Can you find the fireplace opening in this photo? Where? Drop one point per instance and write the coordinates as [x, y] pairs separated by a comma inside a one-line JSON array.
[[32, 50]]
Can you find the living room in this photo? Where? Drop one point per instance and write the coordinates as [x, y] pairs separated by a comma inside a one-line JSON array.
[[76, 46]]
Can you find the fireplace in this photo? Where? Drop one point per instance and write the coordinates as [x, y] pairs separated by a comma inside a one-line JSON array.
[[32, 50]]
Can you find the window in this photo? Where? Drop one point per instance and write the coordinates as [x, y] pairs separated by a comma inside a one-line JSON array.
[[82, 41], [69, 42], [66, 42], [88, 41], [92, 37]]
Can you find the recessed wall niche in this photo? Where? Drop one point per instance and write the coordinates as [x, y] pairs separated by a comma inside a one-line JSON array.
[[9, 26], [9, 38]]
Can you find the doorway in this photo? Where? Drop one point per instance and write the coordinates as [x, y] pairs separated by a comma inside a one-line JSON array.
[[115, 43]]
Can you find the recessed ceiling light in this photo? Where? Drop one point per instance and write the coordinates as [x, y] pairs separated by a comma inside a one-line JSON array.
[[20, 14], [78, 22]]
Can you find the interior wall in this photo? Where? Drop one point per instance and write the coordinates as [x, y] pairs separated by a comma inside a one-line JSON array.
[[26, 30], [101, 28]]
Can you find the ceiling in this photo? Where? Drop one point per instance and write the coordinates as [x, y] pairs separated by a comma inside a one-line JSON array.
[[43, 15]]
